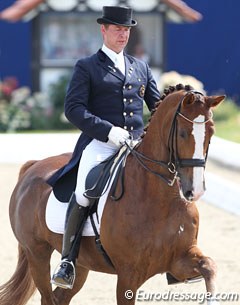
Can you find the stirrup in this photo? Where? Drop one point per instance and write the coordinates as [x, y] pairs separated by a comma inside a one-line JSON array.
[[194, 279], [61, 278], [173, 281]]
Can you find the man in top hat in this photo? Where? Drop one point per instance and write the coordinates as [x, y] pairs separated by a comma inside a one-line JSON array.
[[105, 101]]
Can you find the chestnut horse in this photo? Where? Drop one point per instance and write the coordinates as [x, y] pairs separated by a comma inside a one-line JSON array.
[[152, 229]]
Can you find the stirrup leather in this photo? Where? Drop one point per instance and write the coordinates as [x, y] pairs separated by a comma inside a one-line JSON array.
[[62, 277]]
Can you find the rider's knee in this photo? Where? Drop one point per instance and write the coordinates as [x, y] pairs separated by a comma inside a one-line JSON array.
[[81, 199]]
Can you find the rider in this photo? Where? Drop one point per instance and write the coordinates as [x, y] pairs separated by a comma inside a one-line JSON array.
[[105, 101]]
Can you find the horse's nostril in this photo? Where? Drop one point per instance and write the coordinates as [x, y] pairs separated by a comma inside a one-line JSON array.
[[189, 195]]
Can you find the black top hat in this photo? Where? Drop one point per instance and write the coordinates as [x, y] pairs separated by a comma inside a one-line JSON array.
[[117, 15]]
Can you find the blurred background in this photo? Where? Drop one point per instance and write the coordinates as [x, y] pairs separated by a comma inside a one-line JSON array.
[[40, 41]]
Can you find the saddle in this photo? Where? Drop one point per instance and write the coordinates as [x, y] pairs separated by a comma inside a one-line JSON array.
[[101, 176]]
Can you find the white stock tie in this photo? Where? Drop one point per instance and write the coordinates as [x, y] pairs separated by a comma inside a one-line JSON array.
[[120, 64]]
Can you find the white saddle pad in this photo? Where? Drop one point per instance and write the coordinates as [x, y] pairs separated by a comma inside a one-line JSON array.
[[56, 210], [56, 213]]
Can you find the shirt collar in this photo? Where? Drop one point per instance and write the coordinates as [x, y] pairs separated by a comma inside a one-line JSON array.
[[111, 54]]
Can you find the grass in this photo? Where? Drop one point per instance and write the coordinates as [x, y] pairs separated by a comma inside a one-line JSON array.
[[227, 121], [229, 130]]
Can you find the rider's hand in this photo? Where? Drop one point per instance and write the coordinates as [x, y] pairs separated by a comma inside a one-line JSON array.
[[118, 136]]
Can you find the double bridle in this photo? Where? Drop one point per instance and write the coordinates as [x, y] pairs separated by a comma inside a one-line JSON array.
[[174, 162]]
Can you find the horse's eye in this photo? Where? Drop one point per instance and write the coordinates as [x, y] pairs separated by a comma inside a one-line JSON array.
[[183, 134]]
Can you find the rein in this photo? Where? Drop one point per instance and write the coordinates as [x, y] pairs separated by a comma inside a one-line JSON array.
[[141, 157], [174, 161]]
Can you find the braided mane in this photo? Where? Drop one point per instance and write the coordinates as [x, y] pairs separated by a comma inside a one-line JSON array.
[[165, 93]]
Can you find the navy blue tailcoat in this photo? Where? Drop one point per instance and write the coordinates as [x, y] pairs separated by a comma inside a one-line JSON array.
[[99, 97]]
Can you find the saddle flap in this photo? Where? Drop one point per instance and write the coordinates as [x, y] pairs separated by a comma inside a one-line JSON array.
[[99, 178]]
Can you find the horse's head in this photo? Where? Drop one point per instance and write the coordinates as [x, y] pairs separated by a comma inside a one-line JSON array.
[[184, 126], [189, 136]]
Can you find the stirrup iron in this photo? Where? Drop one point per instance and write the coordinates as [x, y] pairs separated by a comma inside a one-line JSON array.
[[59, 280]]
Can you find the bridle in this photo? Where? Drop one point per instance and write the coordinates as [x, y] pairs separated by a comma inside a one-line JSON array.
[[174, 162]]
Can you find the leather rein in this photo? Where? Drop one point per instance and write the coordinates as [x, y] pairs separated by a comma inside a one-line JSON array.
[[174, 162]]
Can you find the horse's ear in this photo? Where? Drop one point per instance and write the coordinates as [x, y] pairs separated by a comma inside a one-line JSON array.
[[188, 99], [215, 100]]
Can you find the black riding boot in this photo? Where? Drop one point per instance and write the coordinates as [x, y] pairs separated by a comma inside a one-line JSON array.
[[75, 219]]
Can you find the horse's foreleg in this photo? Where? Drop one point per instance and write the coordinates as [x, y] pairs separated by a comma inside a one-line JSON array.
[[208, 269], [129, 280], [193, 264], [126, 291]]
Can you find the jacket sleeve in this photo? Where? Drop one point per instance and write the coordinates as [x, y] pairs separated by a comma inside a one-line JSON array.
[[152, 94], [77, 108]]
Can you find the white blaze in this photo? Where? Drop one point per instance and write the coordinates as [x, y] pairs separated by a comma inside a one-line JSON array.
[[198, 172]]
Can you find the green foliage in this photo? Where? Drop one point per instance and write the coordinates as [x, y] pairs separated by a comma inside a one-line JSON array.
[[146, 114], [19, 110], [13, 117], [15, 106], [227, 121], [226, 111], [57, 92]]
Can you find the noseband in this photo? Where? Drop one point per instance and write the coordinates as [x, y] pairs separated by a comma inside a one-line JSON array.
[[174, 162]]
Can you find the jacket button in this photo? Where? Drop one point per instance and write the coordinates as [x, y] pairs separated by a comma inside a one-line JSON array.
[[124, 100], [131, 100], [129, 87], [131, 128], [131, 113], [125, 127], [124, 87], [124, 113]]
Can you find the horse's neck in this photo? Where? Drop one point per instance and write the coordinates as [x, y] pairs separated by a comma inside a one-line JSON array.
[[151, 191], [155, 141], [153, 145], [154, 157]]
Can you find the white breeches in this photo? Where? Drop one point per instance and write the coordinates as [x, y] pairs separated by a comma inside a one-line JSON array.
[[93, 154]]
